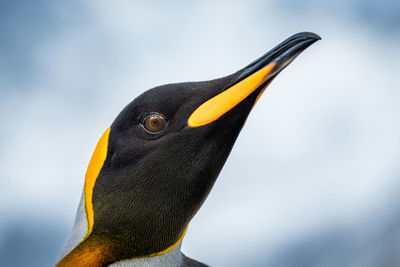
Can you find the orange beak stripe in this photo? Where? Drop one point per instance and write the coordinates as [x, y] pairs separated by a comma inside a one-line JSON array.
[[214, 108]]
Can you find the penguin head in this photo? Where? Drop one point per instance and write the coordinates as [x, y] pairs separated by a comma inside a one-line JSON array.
[[154, 167]]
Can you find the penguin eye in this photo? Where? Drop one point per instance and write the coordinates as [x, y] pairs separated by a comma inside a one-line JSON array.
[[154, 123]]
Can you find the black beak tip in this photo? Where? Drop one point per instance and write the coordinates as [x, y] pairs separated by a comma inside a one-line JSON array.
[[306, 35], [282, 54]]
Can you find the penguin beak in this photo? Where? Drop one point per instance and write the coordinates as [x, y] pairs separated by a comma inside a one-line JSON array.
[[257, 75]]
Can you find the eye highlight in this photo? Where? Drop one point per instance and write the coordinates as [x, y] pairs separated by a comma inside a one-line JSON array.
[[154, 123]]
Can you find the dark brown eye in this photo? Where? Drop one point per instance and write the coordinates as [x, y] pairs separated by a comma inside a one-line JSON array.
[[154, 123]]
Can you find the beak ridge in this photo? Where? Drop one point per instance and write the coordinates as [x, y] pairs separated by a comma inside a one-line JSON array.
[[283, 54], [257, 74]]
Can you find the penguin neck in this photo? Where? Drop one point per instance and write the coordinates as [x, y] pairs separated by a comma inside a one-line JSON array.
[[78, 249], [173, 257]]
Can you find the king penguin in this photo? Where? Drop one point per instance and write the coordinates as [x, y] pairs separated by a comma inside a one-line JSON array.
[[154, 167]]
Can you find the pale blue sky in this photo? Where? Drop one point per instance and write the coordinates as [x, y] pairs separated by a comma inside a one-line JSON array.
[[313, 179]]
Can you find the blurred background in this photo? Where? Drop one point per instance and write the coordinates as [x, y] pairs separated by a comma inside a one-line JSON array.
[[314, 178]]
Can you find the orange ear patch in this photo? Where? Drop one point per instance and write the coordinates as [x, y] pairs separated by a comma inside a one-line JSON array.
[[93, 170]]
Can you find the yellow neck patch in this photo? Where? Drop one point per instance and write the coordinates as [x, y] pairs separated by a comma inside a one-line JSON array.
[[93, 170], [90, 252], [170, 247]]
